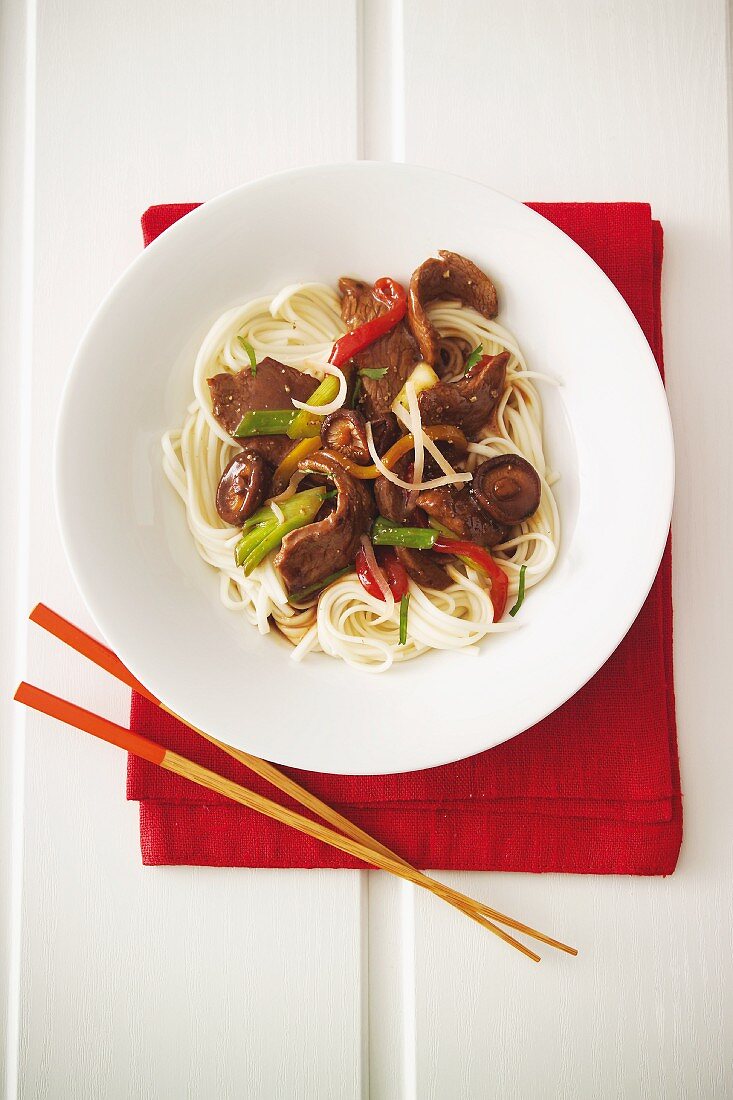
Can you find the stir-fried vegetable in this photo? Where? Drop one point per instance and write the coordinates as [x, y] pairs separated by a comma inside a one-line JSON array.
[[423, 377], [520, 593], [265, 422], [385, 533], [389, 293], [289, 464], [393, 569], [250, 355], [308, 424], [404, 608], [482, 560], [263, 531], [306, 593]]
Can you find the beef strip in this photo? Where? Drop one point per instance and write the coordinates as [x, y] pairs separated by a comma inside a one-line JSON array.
[[310, 554], [396, 351], [392, 501], [423, 566], [469, 402], [273, 387], [461, 513], [450, 276]]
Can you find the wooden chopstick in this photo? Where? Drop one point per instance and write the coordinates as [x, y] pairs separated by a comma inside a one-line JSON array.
[[102, 656], [109, 731]]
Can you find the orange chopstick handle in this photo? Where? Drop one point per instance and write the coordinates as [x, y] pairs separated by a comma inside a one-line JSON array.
[[84, 720], [88, 647]]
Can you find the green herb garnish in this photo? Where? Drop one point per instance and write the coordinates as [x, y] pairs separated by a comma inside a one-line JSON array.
[[473, 358], [250, 355], [357, 392], [520, 593], [404, 608]]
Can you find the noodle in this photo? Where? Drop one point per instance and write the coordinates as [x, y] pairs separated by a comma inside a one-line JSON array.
[[299, 327]]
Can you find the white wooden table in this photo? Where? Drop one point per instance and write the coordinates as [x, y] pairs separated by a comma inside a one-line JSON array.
[[133, 982]]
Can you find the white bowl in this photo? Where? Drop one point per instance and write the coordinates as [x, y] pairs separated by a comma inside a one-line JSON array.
[[156, 602]]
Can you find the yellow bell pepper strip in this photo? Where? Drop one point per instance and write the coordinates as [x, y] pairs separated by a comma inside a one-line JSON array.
[[289, 464]]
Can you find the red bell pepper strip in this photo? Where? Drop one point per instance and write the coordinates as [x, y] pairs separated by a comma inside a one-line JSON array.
[[483, 560], [395, 573], [389, 293]]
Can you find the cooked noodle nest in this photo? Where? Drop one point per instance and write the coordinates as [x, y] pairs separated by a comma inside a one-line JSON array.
[[298, 327]]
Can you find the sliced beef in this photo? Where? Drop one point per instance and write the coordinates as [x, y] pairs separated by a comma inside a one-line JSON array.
[[458, 510], [469, 402], [273, 387], [449, 276], [272, 448], [392, 501], [396, 352], [423, 566], [312, 553]]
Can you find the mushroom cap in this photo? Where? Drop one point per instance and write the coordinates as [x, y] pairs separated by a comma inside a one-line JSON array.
[[345, 430], [508, 488], [242, 487]]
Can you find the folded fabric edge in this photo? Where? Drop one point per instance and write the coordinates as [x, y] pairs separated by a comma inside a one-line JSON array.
[[603, 848]]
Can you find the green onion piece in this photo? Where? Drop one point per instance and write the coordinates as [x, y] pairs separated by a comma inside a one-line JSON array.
[[473, 358], [373, 372], [385, 533], [404, 608], [265, 533], [306, 593], [265, 422], [520, 594], [248, 542], [306, 424], [250, 355], [357, 392]]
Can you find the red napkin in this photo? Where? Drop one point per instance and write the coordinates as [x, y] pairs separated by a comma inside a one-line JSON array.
[[592, 789]]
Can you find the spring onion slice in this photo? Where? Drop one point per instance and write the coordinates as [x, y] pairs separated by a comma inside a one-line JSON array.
[[306, 423], [520, 594], [385, 533], [264, 422], [404, 608], [250, 355], [327, 397]]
